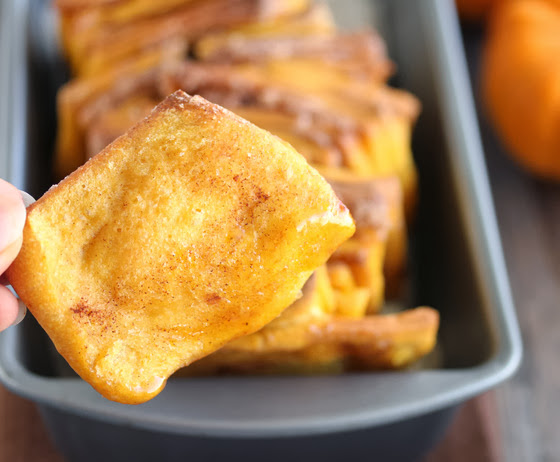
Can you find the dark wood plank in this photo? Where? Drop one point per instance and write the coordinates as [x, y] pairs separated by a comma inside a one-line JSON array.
[[22, 435], [474, 434]]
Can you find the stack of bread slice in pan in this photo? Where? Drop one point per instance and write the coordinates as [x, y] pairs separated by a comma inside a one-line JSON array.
[[284, 66]]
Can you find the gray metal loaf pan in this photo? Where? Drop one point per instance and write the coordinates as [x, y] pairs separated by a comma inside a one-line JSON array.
[[457, 267]]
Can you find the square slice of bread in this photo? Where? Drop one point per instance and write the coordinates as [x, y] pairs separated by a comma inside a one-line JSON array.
[[192, 229]]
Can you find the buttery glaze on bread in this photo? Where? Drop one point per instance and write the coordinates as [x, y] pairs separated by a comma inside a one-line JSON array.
[[192, 229], [387, 341]]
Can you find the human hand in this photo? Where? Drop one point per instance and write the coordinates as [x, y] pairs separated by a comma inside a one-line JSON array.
[[12, 219]]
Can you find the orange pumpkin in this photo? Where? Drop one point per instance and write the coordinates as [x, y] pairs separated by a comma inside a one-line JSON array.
[[521, 82]]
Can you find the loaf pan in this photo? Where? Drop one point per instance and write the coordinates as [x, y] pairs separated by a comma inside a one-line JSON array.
[[457, 266]]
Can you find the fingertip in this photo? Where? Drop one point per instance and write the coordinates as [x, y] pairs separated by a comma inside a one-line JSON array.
[[9, 308], [12, 214], [9, 254]]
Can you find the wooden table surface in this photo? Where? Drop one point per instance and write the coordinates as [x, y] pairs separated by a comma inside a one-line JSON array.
[[520, 420]]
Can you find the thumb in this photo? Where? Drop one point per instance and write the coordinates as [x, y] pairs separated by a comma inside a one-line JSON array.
[[12, 220]]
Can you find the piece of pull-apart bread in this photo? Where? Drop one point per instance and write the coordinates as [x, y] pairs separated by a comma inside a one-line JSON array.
[[192, 229]]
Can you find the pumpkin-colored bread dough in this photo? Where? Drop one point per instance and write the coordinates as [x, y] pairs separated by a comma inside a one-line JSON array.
[[316, 21], [284, 66], [376, 255], [100, 36], [312, 336], [192, 229]]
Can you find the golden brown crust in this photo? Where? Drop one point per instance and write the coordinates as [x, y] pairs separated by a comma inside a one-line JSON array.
[[357, 124], [316, 20], [375, 342], [375, 257], [281, 65], [367, 200], [365, 51], [384, 341], [188, 21], [83, 99], [192, 229], [112, 123]]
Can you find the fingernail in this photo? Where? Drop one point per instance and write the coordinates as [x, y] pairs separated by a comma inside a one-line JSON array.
[[22, 311], [27, 198]]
